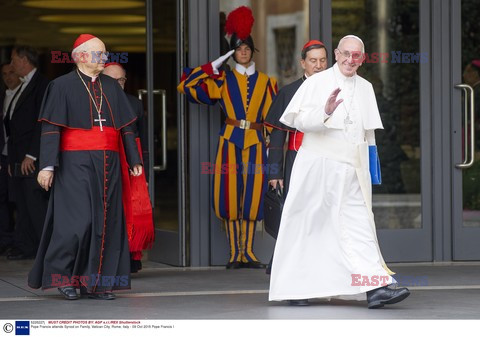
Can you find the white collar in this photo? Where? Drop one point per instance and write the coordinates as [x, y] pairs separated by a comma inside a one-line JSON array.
[[28, 77], [248, 71], [94, 78], [341, 76], [11, 92]]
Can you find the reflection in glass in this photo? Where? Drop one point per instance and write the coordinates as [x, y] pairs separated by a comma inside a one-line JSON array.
[[471, 76], [390, 31], [166, 182], [279, 32]]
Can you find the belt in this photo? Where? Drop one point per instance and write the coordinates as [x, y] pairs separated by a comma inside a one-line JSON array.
[[244, 124], [295, 140]]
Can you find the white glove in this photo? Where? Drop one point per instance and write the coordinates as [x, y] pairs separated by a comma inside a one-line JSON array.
[[218, 62]]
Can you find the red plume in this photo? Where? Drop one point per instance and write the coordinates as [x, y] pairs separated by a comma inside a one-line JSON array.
[[240, 22]]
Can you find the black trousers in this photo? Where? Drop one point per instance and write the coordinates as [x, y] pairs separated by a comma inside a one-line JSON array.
[[6, 207], [31, 202]]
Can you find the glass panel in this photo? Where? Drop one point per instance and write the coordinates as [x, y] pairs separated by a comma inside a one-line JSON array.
[[390, 32], [164, 65], [279, 32], [471, 76]]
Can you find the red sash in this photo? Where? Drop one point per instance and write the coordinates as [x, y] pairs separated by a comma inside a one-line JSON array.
[[138, 211], [295, 140], [90, 140], [135, 197]]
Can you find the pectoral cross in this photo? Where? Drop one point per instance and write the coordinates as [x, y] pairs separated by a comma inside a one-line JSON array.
[[100, 120], [347, 120]]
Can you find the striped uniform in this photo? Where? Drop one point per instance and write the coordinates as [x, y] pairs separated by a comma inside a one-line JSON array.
[[239, 173]]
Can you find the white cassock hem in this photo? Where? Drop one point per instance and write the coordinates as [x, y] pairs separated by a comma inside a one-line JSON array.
[[325, 234]]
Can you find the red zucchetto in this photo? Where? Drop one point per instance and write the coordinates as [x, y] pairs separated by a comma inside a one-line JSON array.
[[82, 39]]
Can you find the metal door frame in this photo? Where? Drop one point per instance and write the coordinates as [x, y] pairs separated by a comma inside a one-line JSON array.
[[465, 240]]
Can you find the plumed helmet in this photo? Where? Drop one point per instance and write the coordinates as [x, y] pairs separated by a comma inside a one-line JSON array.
[[236, 42], [239, 25]]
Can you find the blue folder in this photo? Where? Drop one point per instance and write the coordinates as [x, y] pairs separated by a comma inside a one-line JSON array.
[[375, 172]]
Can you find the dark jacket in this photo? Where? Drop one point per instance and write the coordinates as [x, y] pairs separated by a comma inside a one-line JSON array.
[[24, 126], [141, 130], [2, 137]]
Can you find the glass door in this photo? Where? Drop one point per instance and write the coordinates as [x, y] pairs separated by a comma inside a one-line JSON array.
[[394, 33], [166, 131], [279, 32], [465, 120]]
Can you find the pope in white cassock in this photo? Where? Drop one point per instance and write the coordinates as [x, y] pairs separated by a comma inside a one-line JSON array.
[[327, 244]]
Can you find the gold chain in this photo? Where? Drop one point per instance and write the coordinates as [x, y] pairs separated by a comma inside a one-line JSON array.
[[90, 94]]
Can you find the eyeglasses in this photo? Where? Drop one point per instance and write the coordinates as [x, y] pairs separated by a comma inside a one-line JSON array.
[[356, 55], [100, 55], [122, 80]]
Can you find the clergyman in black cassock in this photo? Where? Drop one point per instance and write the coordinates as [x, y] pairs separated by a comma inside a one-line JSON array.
[[84, 243], [276, 167], [314, 60], [139, 217]]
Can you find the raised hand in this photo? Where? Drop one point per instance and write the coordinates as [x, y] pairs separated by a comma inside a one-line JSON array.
[[332, 102], [218, 62]]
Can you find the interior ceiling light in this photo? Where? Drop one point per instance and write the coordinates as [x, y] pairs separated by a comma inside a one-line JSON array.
[[93, 18], [95, 30], [84, 4]]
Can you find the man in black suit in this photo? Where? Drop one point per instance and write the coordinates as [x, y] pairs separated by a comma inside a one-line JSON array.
[[23, 130], [12, 83]]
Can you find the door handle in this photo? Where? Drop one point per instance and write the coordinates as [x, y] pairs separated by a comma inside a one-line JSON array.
[[469, 147], [163, 116]]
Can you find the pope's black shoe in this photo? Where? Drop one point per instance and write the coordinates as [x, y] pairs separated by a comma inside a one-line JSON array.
[[377, 298], [69, 293], [299, 303]]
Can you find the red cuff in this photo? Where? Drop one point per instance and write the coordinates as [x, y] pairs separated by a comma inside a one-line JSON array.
[[207, 69]]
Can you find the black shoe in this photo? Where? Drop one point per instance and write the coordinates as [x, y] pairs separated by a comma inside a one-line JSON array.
[[268, 270], [102, 296], [135, 266], [4, 250], [253, 265], [299, 303], [69, 293], [233, 265], [377, 298], [17, 254]]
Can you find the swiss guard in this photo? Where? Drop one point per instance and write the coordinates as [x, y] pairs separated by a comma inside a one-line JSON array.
[[245, 96]]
